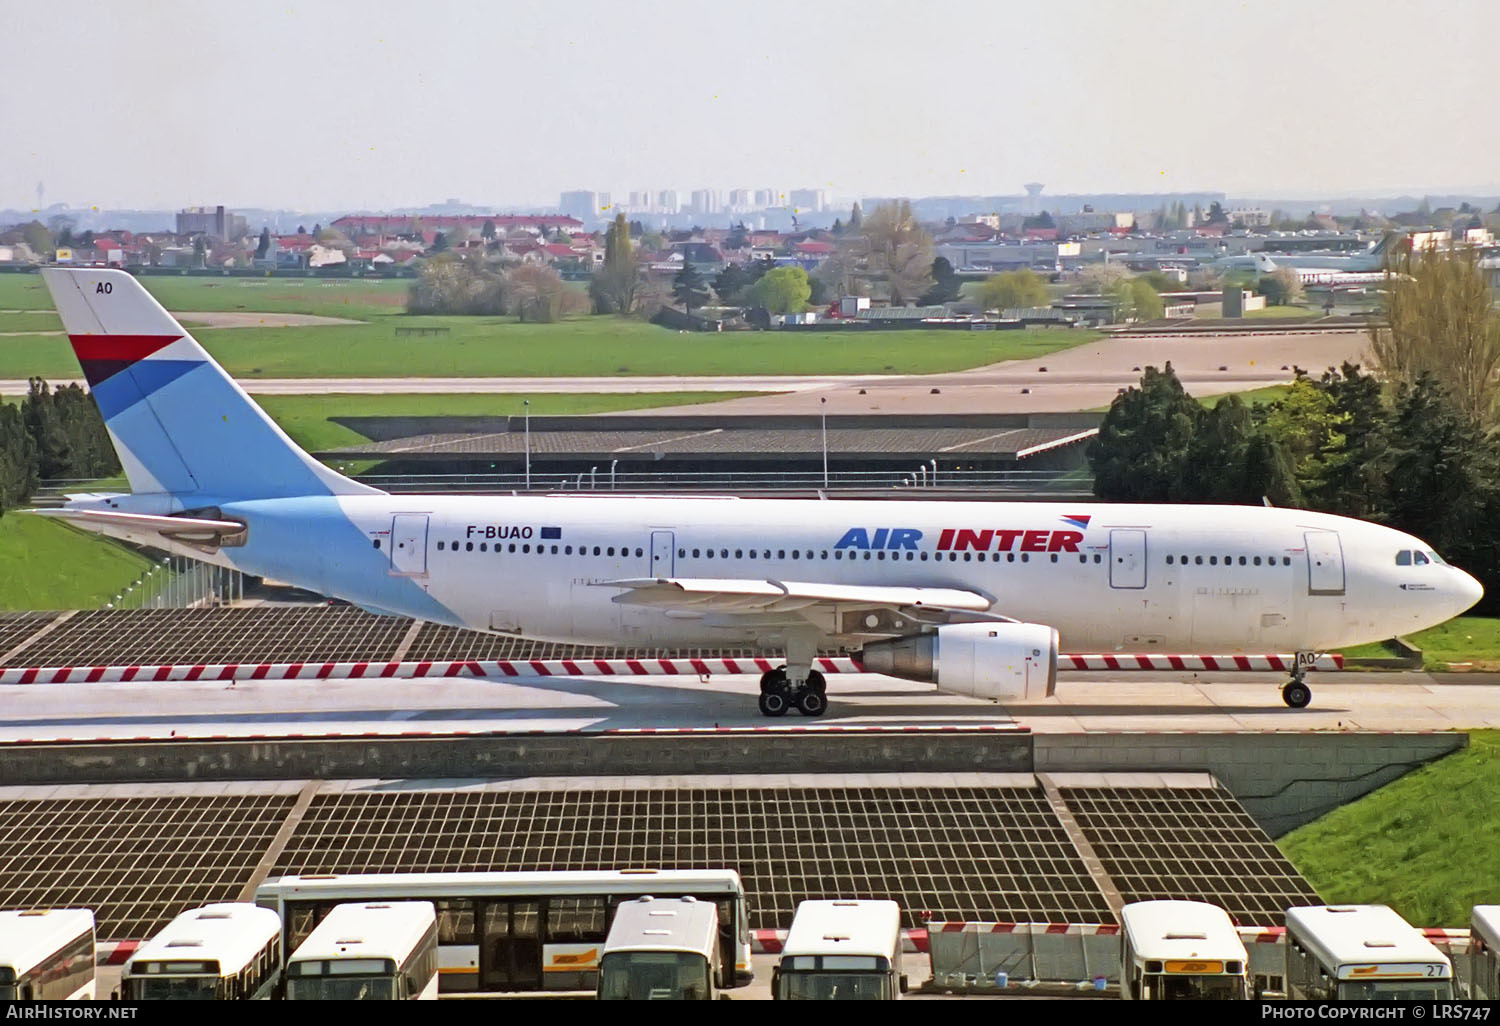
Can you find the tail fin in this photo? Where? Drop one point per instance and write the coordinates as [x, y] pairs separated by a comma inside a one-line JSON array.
[[179, 423]]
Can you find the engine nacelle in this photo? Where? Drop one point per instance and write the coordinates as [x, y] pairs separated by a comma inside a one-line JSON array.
[[984, 660]]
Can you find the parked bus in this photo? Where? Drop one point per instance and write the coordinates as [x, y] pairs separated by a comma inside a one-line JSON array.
[[229, 951], [1181, 950], [1361, 953], [662, 949], [47, 955], [841, 951], [368, 951], [502, 932], [1484, 953]]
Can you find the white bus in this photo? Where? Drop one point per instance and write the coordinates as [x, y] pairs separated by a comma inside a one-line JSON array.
[[1181, 949], [1361, 953], [47, 955], [368, 951], [230, 951], [662, 949], [1484, 953], [507, 932], [841, 950]]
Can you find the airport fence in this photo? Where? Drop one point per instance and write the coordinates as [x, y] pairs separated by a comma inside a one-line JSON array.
[[596, 479], [177, 582]]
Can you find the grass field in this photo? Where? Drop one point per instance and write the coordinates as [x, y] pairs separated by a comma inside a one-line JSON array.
[[30, 320], [309, 418], [502, 347], [1254, 397], [48, 565], [1474, 640], [1428, 844]]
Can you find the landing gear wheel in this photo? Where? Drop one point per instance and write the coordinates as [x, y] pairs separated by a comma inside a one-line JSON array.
[[1296, 694], [810, 702], [774, 703], [816, 682], [773, 680]]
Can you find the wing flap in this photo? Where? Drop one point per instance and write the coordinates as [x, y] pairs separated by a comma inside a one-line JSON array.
[[749, 595]]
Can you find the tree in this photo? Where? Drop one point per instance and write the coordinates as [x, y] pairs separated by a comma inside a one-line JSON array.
[[38, 238], [1143, 447], [1042, 220], [1282, 287], [18, 478], [1135, 299], [782, 290], [730, 282], [838, 226], [264, 246], [614, 286], [487, 233], [1442, 322], [946, 284], [439, 242], [688, 287], [738, 237], [1013, 290], [1310, 430], [856, 219], [450, 283], [1097, 279], [535, 293], [1355, 486], [901, 249], [1216, 213], [200, 250]]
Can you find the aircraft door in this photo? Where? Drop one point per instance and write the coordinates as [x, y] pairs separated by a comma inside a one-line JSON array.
[[1127, 559], [663, 561], [1325, 563], [409, 544]]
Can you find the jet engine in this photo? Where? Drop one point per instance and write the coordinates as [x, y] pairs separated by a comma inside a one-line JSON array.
[[984, 660]]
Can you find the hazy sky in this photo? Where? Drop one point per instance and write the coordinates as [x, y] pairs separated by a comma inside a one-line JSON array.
[[381, 103]]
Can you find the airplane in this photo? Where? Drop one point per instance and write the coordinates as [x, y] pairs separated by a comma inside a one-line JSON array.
[[976, 597], [1362, 268]]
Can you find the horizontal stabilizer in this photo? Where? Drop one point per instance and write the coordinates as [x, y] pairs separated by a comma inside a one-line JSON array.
[[111, 522]]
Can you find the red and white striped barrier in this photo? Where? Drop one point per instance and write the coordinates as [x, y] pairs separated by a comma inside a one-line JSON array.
[[478, 668], [1218, 663], [771, 942], [1261, 934], [1069, 929], [115, 952]]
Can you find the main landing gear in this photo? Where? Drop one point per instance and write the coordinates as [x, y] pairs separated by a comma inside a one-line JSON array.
[[779, 692], [1295, 692]]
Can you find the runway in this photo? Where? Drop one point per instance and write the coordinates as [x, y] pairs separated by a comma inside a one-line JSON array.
[[1084, 702]]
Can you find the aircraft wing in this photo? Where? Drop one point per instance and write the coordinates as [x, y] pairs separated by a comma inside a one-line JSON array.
[[724, 595]]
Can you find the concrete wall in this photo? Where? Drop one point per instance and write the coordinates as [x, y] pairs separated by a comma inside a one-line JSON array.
[[1282, 779]]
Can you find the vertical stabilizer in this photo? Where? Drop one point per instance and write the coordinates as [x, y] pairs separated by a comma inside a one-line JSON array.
[[180, 424]]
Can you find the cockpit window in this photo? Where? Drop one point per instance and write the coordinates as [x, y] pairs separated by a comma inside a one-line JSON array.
[[1437, 559], [1420, 558], [1403, 558]]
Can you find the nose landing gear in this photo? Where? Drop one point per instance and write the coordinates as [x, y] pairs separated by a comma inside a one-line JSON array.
[[1295, 692]]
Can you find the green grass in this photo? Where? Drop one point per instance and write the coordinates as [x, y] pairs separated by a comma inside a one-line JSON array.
[[308, 418], [335, 297], [587, 346], [1428, 844], [1254, 397], [37, 320], [48, 565], [1464, 639]]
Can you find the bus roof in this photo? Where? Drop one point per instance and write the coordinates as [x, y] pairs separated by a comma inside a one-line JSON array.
[[1162, 930], [1485, 921], [845, 928], [458, 885], [664, 924], [374, 929], [1342, 935], [29, 935], [230, 932]]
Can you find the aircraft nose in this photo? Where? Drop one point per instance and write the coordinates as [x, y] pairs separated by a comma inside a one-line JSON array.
[[1468, 590]]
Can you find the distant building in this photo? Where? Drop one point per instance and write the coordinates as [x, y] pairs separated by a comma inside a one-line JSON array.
[[584, 205], [1250, 217], [706, 201], [1091, 221], [741, 201], [766, 198], [215, 222], [667, 202], [814, 200]]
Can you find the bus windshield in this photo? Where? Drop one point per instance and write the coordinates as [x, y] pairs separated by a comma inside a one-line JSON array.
[[1195, 988], [653, 976], [341, 988], [172, 988], [836, 986], [1396, 990]]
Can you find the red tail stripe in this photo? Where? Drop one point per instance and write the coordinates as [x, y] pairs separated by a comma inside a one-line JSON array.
[[119, 347]]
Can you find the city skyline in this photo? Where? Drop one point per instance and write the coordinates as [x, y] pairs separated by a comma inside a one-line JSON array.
[[333, 104]]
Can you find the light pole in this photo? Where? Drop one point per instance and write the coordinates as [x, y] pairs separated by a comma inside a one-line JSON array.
[[823, 415], [934, 472], [526, 403], [612, 465]]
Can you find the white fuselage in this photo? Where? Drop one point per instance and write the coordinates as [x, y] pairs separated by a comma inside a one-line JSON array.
[[1166, 578]]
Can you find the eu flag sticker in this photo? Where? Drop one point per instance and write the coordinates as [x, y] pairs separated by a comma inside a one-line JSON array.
[[551, 532]]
